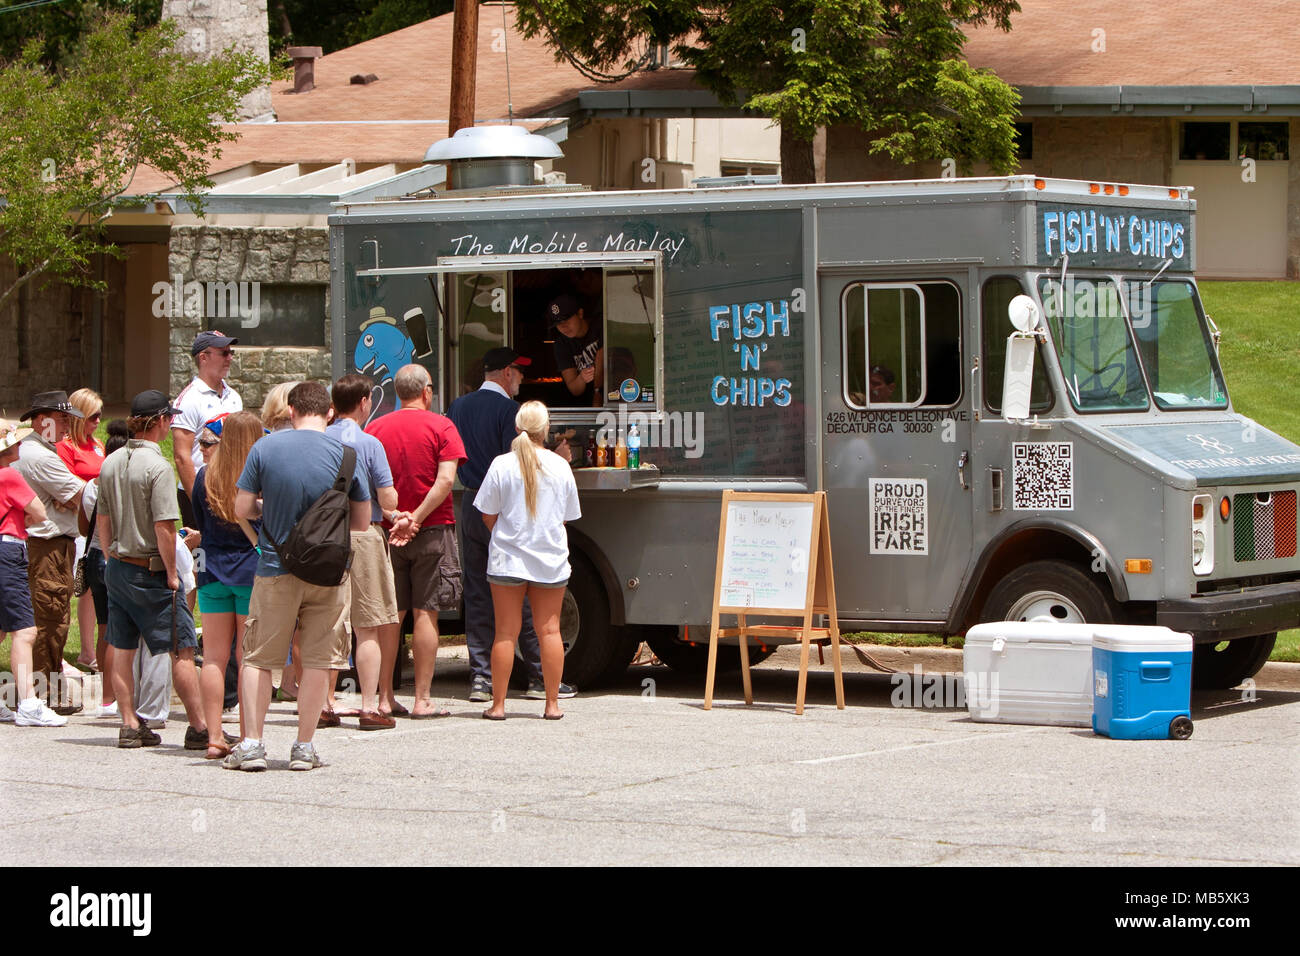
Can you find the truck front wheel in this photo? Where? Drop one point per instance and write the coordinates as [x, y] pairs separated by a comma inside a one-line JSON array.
[[1051, 591], [1228, 663]]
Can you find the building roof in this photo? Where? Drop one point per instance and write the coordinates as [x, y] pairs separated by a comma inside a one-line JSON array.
[[1181, 43]]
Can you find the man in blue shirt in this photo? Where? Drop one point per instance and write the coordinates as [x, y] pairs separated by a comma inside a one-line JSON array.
[[289, 470], [486, 421]]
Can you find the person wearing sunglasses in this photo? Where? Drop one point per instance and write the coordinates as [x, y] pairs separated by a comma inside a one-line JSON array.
[[83, 453], [206, 397]]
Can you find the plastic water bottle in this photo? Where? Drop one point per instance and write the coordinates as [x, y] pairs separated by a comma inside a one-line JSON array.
[[633, 448]]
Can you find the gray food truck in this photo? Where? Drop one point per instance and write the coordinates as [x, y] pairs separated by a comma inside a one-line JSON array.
[[853, 338]]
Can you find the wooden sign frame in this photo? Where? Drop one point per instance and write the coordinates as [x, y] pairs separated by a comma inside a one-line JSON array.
[[819, 598]]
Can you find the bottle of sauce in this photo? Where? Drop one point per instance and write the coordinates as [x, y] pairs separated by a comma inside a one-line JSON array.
[[589, 459], [602, 452], [633, 447], [620, 453]]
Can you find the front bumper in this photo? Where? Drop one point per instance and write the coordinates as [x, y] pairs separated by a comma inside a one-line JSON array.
[[1211, 618]]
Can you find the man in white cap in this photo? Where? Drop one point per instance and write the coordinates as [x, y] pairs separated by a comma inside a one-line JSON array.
[[205, 398], [51, 545]]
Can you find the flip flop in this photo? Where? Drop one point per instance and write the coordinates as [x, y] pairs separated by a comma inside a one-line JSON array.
[[222, 749], [440, 712], [347, 712], [551, 716], [399, 711], [487, 716]]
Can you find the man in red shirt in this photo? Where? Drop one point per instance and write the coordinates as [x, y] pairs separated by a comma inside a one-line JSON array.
[[424, 450]]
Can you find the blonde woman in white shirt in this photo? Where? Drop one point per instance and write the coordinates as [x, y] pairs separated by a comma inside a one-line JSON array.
[[526, 497]]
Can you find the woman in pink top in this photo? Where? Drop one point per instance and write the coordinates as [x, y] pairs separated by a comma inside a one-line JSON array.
[[83, 453]]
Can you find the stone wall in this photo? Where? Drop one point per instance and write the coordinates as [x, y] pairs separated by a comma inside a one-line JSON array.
[[256, 254], [48, 339]]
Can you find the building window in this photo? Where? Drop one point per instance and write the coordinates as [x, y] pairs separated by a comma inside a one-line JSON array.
[[1024, 141], [1263, 141], [263, 315], [741, 168], [1205, 141]]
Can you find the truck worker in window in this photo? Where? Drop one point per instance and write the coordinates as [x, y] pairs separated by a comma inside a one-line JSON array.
[[882, 384], [579, 350]]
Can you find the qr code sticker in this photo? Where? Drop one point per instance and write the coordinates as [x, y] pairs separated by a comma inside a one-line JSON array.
[[1043, 476]]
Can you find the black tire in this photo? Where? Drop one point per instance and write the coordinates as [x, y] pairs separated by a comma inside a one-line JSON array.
[[597, 652], [1221, 666], [694, 659], [1180, 728], [1058, 590]]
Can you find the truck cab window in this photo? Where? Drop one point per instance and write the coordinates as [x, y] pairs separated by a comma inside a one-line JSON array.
[[1085, 319], [994, 299], [902, 344]]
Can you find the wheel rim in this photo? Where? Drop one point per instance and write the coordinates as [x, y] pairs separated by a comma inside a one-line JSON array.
[[1046, 606], [569, 625]]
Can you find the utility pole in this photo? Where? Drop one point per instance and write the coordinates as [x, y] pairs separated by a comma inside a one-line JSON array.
[[464, 58]]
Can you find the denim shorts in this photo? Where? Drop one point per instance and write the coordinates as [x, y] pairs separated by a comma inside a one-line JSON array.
[[96, 566], [15, 598], [509, 582], [218, 598], [140, 604]]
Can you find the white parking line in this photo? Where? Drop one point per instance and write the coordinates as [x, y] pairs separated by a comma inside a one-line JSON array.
[[936, 743]]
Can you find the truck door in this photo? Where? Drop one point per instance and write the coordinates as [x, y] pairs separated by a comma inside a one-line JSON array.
[[897, 444]]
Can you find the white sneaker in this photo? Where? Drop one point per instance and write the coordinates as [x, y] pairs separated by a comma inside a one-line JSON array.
[[34, 713], [6, 715], [107, 710]]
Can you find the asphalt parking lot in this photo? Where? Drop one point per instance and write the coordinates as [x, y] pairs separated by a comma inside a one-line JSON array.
[[641, 774]]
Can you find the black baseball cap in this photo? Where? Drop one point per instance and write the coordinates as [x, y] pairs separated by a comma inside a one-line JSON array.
[[497, 359], [151, 403], [561, 307], [210, 340]]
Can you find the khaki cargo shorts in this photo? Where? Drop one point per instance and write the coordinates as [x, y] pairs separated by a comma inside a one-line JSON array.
[[427, 571], [374, 593], [282, 600]]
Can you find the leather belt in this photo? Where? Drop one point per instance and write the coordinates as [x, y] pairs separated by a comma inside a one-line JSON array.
[[138, 562]]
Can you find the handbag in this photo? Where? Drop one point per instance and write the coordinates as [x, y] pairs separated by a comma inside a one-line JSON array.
[[79, 577]]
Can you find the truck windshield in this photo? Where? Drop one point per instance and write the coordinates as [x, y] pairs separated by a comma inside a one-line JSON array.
[[1175, 344], [1085, 318]]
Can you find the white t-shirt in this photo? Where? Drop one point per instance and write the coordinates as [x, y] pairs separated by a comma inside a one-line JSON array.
[[199, 404], [532, 548]]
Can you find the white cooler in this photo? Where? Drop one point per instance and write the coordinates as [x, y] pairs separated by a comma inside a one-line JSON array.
[[1029, 672]]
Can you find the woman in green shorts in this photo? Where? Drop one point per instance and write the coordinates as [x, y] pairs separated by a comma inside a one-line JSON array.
[[225, 576]]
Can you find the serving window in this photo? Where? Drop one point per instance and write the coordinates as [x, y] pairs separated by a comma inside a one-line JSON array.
[[600, 315]]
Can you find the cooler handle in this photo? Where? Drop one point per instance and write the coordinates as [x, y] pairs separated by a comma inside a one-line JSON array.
[[1156, 671]]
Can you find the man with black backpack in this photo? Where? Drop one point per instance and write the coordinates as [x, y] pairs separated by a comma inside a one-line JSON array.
[[310, 501]]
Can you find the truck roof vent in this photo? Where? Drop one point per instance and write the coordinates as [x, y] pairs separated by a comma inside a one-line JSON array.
[[481, 156]]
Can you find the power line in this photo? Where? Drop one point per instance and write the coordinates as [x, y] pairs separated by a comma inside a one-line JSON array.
[[28, 5]]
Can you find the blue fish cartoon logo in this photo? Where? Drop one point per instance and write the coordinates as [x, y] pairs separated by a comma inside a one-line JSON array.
[[384, 347]]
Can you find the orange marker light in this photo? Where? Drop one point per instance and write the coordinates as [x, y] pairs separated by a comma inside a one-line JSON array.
[[1123, 190], [1094, 188], [1173, 194], [1137, 565], [1224, 508], [1040, 184], [1198, 511], [1110, 190]]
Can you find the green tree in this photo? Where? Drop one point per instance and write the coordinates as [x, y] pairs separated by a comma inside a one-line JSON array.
[[60, 26], [74, 139], [334, 24], [891, 67]]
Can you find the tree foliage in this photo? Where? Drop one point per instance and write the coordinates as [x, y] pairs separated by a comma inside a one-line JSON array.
[[75, 138], [891, 67], [334, 24], [59, 27]]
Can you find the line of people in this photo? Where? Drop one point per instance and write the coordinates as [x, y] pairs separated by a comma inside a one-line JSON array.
[[244, 484]]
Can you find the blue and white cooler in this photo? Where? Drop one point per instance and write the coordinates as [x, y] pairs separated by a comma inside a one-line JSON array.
[[1142, 683]]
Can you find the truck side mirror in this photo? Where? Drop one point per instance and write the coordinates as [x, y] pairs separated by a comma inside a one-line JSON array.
[[1018, 381]]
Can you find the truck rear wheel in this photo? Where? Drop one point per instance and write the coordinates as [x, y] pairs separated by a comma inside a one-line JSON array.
[[1051, 591], [693, 659], [1228, 663], [596, 651]]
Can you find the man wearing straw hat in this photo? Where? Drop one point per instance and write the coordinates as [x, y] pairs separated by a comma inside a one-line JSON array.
[[51, 545]]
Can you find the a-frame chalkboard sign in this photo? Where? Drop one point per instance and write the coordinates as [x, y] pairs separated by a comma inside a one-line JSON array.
[[774, 560]]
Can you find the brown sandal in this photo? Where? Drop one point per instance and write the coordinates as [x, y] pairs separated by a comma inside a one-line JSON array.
[[222, 749]]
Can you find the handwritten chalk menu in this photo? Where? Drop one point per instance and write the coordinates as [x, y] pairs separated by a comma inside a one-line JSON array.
[[774, 560], [765, 554]]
